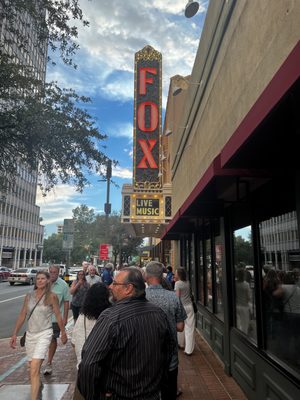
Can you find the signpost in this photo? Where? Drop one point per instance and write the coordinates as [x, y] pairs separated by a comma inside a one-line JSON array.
[[105, 251], [68, 239]]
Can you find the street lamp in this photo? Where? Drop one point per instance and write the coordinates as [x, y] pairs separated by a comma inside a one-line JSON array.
[[191, 8]]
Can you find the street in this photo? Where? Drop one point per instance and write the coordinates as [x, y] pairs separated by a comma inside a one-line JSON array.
[[11, 300]]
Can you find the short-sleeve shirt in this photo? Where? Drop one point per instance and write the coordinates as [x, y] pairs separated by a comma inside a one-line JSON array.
[[91, 280], [185, 292], [61, 289], [171, 305]]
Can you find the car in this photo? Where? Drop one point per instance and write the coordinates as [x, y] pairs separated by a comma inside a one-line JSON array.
[[250, 269], [4, 273], [71, 276], [23, 276]]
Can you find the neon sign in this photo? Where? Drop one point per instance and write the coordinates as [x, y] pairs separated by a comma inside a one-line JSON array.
[[147, 119]]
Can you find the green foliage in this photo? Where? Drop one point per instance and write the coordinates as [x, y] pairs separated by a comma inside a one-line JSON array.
[[53, 251], [50, 131], [52, 22], [42, 125], [243, 251], [92, 230]]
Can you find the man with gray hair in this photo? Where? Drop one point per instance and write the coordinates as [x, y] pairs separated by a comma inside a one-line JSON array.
[[92, 276], [127, 354], [171, 305]]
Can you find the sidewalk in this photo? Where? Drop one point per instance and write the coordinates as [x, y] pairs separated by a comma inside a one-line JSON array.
[[201, 375]]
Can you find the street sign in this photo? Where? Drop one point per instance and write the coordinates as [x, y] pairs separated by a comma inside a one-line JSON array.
[[103, 251], [68, 234]]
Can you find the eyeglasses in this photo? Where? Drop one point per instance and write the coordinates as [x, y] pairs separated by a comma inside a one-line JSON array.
[[114, 283]]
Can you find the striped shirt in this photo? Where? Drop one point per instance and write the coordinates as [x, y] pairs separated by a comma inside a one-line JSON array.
[[127, 352]]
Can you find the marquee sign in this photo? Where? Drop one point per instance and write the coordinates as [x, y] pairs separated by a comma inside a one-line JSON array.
[[147, 207], [147, 119]]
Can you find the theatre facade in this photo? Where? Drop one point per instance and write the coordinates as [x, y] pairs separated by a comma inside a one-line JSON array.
[[232, 135]]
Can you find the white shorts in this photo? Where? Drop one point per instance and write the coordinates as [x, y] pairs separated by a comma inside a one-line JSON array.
[[37, 344]]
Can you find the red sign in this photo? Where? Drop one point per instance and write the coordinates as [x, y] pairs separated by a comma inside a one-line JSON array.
[[103, 251], [147, 112]]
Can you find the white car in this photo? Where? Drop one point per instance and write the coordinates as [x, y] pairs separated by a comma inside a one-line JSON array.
[[23, 275]]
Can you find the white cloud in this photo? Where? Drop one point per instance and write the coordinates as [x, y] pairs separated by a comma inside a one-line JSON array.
[[58, 204], [123, 173], [120, 28], [122, 130]]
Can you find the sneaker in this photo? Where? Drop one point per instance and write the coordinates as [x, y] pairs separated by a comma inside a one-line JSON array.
[[48, 369]]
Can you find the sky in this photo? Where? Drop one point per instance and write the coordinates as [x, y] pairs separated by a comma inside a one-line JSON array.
[[105, 73]]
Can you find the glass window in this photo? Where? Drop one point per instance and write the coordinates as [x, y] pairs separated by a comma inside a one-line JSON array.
[[219, 263], [281, 289], [200, 292], [244, 282], [208, 269]]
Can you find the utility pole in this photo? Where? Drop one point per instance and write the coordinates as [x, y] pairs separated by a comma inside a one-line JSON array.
[[107, 205]]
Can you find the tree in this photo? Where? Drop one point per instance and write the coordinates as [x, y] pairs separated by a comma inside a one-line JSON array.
[[243, 251], [92, 230], [53, 251], [49, 21], [42, 125], [51, 126]]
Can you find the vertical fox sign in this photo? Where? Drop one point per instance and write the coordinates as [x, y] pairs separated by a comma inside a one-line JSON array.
[[147, 119]]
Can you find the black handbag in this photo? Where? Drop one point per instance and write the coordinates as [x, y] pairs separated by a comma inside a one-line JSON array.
[[194, 303], [23, 338]]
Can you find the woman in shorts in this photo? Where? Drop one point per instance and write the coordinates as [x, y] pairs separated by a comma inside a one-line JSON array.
[[40, 304]]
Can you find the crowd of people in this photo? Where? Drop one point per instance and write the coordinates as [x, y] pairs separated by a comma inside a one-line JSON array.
[[128, 323]]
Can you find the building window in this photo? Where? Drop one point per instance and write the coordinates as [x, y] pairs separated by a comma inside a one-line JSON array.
[[208, 277], [281, 290], [245, 313]]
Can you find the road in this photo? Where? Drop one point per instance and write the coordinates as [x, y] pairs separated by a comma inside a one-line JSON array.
[[11, 300]]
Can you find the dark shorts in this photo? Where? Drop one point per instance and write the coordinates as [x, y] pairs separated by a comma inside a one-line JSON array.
[[56, 330]]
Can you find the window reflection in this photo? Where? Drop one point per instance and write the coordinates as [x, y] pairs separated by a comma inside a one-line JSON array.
[[281, 286], [200, 274], [219, 277], [244, 282], [209, 293]]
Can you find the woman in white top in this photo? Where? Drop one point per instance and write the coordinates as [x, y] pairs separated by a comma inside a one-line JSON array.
[[39, 305], [243, 296], [96, 301], [186, 339]]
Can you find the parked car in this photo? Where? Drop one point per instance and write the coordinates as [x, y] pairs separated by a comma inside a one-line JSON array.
[[23, 275], [71, 275], [4, 273]]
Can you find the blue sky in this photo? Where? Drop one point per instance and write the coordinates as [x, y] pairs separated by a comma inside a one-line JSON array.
[[118, 29]]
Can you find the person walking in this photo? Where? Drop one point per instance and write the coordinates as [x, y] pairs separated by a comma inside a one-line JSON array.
[[78, 291], [171, 305], [92, 276], [39, 305], [129, 349], [96, 301], [61, 289], [107, 274], [186, 339]]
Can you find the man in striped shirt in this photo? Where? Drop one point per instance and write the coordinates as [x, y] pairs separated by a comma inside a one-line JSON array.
[[128, 352]]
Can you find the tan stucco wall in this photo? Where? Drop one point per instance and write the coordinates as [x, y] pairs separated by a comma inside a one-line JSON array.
[[259, 37]]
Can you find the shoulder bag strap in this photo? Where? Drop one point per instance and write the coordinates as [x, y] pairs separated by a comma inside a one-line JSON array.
[[35, 306], [84, 328]]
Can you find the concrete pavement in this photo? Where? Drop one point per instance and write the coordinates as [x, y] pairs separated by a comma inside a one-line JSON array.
[[201, 375]]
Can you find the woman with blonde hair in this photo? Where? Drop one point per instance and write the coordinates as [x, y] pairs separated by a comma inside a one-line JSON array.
[[38, 306]]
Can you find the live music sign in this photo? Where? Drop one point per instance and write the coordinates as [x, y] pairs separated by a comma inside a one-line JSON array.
[[147, 118]]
